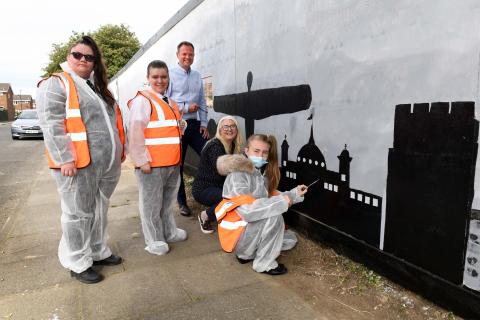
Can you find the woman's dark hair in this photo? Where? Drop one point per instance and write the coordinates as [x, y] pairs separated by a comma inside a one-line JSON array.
[[100, 71], [156, 64]]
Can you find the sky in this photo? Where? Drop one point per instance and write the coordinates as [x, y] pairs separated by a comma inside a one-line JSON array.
[[28, 28]]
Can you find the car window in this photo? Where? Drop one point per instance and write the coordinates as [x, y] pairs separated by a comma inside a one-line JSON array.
[[28, 115]]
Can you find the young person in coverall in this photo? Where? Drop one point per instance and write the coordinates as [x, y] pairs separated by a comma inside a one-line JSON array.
[[83, 134], [250, 221], [154, 133]]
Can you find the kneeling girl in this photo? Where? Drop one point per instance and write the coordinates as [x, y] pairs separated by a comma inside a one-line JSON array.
[[250, 216]]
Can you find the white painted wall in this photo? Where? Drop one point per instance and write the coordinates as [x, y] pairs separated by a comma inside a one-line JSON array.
[[361, 58]]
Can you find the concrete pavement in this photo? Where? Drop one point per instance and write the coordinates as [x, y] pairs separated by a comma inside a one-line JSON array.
[[196, 280]]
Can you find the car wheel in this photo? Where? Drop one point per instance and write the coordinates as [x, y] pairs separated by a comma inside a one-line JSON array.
[[14, 138]]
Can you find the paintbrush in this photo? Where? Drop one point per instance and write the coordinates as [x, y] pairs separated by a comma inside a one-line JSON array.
[[311, 184]]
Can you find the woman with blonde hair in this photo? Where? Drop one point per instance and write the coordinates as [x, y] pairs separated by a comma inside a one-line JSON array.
[[208, 184], [250, 221]]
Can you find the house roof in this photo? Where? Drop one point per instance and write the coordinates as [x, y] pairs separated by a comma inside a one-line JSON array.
[[4, 86], [22, 97]]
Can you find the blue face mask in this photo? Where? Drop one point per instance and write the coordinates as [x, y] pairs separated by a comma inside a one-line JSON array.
[[258, 162]]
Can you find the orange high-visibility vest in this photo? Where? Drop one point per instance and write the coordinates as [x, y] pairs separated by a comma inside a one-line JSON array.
[[162, 134], [74, 126], [230, 223]]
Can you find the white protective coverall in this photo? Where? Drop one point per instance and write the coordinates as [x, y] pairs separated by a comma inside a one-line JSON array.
[[158, 189], [85, 197], [264, 236]]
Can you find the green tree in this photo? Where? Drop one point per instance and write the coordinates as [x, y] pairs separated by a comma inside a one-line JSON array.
[[118, 45]]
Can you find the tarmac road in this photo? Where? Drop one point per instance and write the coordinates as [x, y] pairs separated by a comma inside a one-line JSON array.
[[20, 161]]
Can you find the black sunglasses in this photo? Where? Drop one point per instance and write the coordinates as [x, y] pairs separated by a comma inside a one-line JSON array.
[[78, 56]]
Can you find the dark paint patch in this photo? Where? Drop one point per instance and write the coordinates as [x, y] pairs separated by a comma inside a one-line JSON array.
[[331, 200], [431, 170], [261, 104]]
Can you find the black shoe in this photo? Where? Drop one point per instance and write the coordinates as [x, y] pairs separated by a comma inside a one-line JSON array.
[[280, 269], [243, 261], [185, 210], [205, 226], [113, 260], [87, 276]]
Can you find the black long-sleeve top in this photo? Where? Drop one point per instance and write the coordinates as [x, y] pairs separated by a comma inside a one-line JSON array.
[[207, 173]]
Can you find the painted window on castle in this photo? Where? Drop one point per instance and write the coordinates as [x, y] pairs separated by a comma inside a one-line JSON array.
[[316, 162], [344, 177], [330, 187], [360, 197], [304, 160], [375, 202], [325, 186], [322, 164], [309, 161], [299, 159], [367, 199], [352, 195], [335, 188], [295, 175]]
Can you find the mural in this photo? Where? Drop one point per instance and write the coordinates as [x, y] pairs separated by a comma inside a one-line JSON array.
[[431, 170], [331, 200], [351, 63]]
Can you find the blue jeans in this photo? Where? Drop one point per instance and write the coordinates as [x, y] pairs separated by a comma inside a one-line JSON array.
[[210, 197], [193, 138]]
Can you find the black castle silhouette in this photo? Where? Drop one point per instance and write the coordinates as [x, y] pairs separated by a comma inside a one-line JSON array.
[[430, 186], [331, 200]]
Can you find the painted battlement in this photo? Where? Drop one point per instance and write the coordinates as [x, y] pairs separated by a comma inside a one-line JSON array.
[[455, 110], [438, 126]]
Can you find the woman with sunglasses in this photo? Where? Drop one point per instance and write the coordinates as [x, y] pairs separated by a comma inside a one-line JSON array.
[[250, 216], [154, 132], [208, 184], [83, 135]]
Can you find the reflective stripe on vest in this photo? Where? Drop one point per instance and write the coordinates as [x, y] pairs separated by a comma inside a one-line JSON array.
[[78, 136], [162, 134], [158, 141], [230, 223], [162, 124], [222, 210]]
